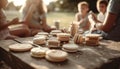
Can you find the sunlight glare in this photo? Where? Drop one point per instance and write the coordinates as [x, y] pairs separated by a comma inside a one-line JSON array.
[[21, 2], [17, 2], [48, 1]]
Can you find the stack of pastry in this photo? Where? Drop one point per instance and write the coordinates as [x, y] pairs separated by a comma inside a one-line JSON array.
[[41, 36], [53, 43], [43, 33], [63, 37], [55, 32], [74, 29], [41, 40], [78, 39], [92, 39]]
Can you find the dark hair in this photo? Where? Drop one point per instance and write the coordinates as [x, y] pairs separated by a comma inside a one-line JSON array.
[[105, 2]]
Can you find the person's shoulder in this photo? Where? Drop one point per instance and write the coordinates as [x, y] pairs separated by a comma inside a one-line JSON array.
[[114, 6], [78, 14], [1, 13]]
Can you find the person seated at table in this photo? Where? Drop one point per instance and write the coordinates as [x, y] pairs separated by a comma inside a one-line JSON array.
[[4, 31], [111, 25], [102, 9], [34, 15], [82, 16]]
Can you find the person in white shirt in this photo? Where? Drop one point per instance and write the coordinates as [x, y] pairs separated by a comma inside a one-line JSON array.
[[82, 16], [102, 7]]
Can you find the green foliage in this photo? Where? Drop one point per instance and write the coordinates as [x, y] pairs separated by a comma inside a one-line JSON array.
[[64, 17]]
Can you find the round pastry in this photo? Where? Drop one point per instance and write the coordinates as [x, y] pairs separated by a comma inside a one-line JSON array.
[[39, 40], [56, 55], [55, 32], [41, 36], [70, 47], [20, 47], [63, 37], [43, 33], [53, 43], [93, 36], [74, 28], [38, 52]]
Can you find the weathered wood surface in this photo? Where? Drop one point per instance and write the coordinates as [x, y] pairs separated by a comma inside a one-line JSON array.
[[4, 52], [86, 58]]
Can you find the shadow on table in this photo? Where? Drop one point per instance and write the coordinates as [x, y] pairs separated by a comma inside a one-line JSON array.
[[113, 64]]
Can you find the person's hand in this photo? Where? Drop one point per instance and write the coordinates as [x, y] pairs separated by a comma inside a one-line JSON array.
[[14, 21], [47, 28], [91, 20], [94, 29], [99, 26]]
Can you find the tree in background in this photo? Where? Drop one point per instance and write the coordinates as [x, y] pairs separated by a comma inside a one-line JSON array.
[[12, 7]]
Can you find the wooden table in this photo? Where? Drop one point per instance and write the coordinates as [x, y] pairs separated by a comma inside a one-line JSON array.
[[86, 58]]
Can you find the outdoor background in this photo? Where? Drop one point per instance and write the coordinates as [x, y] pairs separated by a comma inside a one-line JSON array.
[[63, 10]]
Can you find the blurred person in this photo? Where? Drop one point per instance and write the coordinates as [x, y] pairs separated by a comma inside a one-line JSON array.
[[34, 14], [4, 31], [110, 28], [96, 22], [102, 9], [111, 25], [82, 16]]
